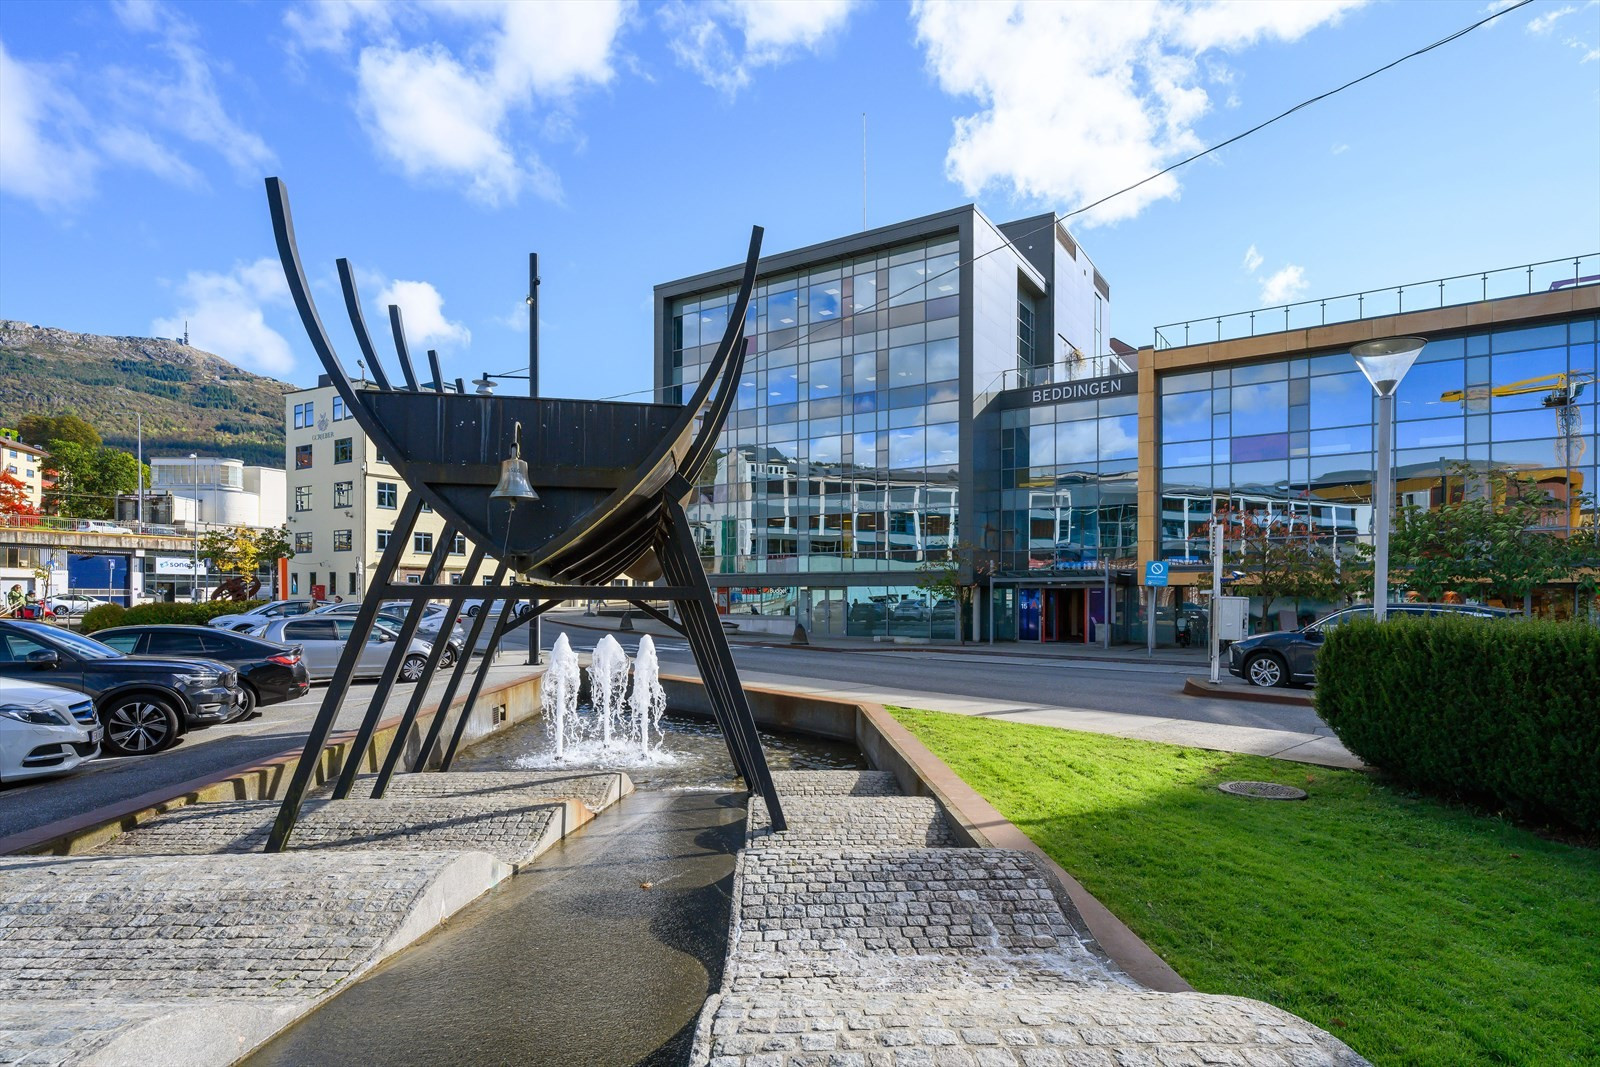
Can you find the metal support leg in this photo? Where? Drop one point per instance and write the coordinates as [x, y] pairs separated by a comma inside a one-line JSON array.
[[700, 615], [391, 669], [502, 625], [310, 756], [461, 670], [409, 718]]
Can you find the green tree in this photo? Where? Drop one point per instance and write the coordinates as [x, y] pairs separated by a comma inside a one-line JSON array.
[[1282, 557], [243, 551], [41, 430], [1489, 538], [88, 479]]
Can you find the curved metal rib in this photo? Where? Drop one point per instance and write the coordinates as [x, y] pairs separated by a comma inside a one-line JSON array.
[[398, 328], [438, 376], [358, 323], [716, 417]]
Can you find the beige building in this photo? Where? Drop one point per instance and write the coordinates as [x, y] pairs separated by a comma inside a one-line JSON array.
[[25, 463], [342, 501]]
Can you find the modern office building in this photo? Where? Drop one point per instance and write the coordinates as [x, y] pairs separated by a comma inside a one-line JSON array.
[[863, 456], [342, 499], [201, 492], [926, 401]]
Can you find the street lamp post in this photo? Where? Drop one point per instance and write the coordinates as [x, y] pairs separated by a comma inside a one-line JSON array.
[[1384, 363]]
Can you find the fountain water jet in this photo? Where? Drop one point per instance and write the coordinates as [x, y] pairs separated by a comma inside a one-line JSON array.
[[608, 686], [649, 700], [558, 696]]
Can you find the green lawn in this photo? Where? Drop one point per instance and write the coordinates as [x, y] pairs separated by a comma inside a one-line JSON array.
[[1415, 932]]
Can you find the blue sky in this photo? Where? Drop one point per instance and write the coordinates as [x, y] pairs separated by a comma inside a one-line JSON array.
[[436, 144]]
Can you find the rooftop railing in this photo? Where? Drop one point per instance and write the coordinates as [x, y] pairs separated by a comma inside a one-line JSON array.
[[1549, 276]]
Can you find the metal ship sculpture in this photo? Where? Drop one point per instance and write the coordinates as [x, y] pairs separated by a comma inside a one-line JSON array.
[[564, 496]]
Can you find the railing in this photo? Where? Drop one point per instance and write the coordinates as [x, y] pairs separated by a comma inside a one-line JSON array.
[[120, 528], [1549, 276], [1073, 371]]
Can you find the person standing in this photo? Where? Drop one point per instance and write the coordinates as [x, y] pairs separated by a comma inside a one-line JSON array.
[[14, 599]]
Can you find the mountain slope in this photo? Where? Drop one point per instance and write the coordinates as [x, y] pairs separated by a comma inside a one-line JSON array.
[[191, 400]]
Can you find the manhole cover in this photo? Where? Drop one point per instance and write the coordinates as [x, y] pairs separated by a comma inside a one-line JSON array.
[[1263, 790]]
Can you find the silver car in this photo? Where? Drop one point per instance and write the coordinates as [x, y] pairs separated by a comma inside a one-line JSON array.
[[393, 614], [322, 640]]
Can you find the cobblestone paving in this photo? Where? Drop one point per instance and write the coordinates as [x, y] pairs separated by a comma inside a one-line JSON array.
[[41, 1035], [597, 791], [160, 927], [847, 920], [851, 822], [880, 955], [835, 784], [513, 832], [1080, 1028]]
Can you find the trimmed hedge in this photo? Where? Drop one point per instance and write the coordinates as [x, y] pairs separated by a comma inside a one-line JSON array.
[[1503, 712], [102, 617], [185, 614]]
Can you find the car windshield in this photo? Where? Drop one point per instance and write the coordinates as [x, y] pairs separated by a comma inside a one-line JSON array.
[[77, 644]]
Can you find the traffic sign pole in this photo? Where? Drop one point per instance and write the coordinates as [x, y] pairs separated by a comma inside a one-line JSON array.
[[1155, 577]]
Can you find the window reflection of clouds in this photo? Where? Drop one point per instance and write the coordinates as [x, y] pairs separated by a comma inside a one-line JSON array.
[[783, 309], [1266, 404], [1340, 400], [1429, 433], [824, 301], [1119, 437], [1186, 416]]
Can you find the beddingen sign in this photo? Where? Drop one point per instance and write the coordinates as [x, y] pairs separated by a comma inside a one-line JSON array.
[[1088, 389], [1066, 392]]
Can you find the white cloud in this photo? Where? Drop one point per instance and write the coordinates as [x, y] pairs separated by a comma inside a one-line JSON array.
[[1285, 286], [1543, 23], [56, 143], [447, 115], [1340, 149], [223, 313], [41, 158], [1121, 100], [1590, 56], [768, 32], [1252, 259], [422, 309]]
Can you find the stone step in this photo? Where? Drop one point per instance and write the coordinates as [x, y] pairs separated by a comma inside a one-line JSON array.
[[597, 790], [851, 822], [836, 784], [814, 920], [512, 830], [1085, 1027], [197, 959]]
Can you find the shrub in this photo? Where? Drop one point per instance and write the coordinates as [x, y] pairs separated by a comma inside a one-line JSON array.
[[1504, 712], [189, 614], [102, 617]]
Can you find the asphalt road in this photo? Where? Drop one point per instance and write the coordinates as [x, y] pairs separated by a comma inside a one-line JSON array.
[[972, 681]]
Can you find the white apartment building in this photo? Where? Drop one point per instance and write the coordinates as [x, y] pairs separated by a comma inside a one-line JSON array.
[[343, 500], [25, 463]]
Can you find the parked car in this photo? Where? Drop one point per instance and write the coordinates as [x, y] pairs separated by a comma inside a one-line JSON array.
[[269, 673], [322, 640], [72, 603], [100, 526], [261, 613], [470, 608], [143, 702], [45, 729], [393, 614], [1291, 655], [910, 610]]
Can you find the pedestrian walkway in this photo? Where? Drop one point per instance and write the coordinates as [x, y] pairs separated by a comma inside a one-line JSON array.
[[853, 942]]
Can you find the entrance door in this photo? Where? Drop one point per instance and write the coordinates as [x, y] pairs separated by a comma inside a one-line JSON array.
[[1050, 620], [1028, 611]]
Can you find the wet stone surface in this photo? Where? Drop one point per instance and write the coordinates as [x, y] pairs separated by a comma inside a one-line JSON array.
[[851, 822]]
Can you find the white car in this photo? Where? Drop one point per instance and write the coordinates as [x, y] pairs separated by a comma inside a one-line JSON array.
[[470, 608], [45, 729], [101, 526], [73, 603], [246, 621]]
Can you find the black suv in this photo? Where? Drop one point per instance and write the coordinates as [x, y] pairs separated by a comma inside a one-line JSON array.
[[1291, 655], [269, 673], [144, 702]]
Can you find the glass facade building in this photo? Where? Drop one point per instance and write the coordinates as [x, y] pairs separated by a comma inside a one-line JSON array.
[[935, 435], [845, 476]]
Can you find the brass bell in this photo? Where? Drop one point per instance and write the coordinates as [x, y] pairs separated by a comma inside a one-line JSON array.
[[514, 484]]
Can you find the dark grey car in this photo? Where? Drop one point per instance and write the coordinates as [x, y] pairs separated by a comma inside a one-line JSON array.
[[1291, 655]]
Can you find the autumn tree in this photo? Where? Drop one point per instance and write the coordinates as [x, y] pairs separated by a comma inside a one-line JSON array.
[[243, 551], [14, 496]]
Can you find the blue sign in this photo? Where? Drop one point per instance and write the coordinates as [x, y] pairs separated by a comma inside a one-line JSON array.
[[1155, 572]]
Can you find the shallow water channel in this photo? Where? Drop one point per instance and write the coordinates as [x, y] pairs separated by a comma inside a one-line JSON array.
[[575, 961]]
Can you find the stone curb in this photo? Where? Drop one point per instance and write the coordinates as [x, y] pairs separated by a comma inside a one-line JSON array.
[[257, 780], [1204, 687]]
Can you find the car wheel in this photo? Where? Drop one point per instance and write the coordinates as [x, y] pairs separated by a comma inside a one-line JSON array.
[[247, 704], [411, 670], [1266, 670], [447, 658], [472, 612], [139, 724]]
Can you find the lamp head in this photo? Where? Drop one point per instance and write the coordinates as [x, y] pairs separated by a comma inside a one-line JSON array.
[[514, 484], [1385, 362]]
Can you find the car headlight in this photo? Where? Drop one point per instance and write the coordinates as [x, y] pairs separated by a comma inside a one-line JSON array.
[[203, 679], [38, 714]]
